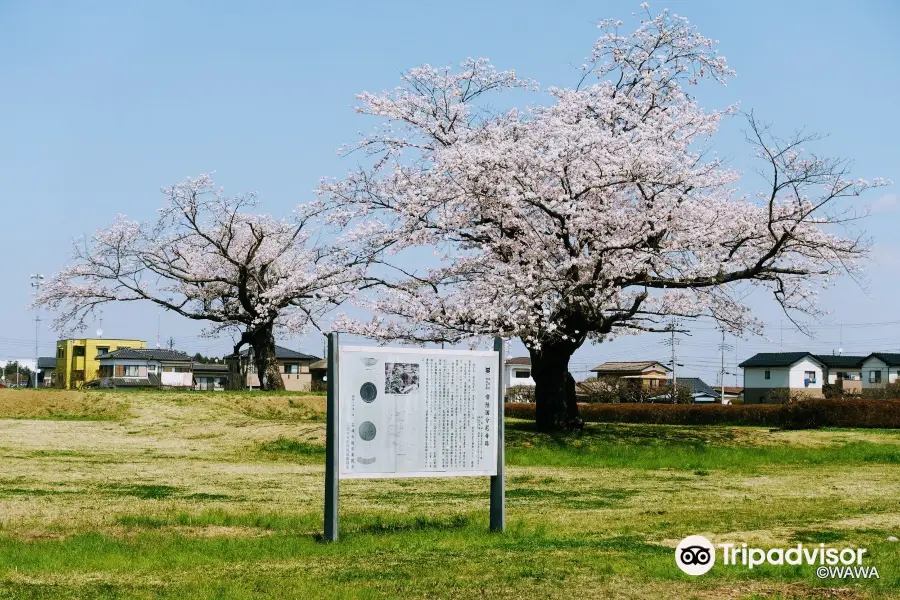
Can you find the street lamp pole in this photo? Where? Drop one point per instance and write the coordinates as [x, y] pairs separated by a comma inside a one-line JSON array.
[[36, 280]]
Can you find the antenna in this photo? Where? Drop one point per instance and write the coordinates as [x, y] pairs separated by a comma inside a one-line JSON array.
[[157, 331]]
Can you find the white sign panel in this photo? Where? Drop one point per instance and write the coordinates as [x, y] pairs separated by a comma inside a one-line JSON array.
[[408, 412]]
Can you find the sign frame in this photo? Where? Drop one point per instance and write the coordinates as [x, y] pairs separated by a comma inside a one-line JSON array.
[[332, 453]]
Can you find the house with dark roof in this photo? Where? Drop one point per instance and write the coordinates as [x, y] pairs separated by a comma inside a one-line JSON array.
[[46, 371], [700, 391], [517, 371], [145, 367], [804, 372], [293, 365]]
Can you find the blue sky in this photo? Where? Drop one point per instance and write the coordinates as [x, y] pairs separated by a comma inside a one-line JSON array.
[[104, 102]]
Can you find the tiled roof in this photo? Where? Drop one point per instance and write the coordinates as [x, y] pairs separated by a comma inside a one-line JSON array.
[[146, 354], [840, 360], [518, 360], [730, 389], [209, 368], [626, 367], [775, 359], [46, 362], [889, 358], [281, 352], [834, 361], [696, 385]]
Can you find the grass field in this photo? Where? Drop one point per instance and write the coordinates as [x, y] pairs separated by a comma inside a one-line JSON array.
[[219, 495]]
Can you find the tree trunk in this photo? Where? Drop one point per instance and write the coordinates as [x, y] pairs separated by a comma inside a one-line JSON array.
[[263, 343], [554, 394]]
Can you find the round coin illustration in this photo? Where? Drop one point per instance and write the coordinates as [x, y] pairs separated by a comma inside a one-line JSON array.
[[368, 391], [367, 430]]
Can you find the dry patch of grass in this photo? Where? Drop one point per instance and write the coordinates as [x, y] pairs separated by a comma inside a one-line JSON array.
[[208, 495], [274, 407], [62, 405]]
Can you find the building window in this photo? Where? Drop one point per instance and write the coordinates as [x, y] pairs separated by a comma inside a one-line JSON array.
[[152, 368], [78, 351], [875, 376], [521, 375], [768, 374], [101, 350], [132, 371], [291, 368], [60, 353], [810, 376]]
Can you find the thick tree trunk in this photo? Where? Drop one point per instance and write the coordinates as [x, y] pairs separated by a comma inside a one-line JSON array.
[[263, 343], [554, 394]]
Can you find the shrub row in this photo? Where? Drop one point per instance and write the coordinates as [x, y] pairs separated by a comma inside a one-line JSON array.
[[805, 414]]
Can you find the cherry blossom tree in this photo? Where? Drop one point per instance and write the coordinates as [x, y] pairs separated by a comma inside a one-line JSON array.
[[599, 213], [208, 258]]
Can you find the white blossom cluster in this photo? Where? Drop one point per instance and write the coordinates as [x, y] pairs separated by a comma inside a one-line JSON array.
[[601, 213], [208, 257]]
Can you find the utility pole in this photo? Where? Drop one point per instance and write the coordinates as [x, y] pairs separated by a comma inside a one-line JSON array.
[[674, 367], [171, 343], [722, 388], [673, 342], [36, 280]]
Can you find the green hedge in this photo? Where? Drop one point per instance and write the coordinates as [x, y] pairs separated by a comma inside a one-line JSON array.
[[805, 414]]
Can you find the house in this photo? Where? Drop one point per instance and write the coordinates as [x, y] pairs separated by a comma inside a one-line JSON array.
[[732, 393], [210, 376], [701, 392], [879, 368], [649, 374], [517, 371], [46, 368], [319, 373], [767, 373], [76, 360], [805, 372], [293, 365], [143, 367]]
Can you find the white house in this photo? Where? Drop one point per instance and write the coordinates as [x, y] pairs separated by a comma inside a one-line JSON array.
[[138, 367], [517, 371], [806, 372], [769, 371], [880, 368]]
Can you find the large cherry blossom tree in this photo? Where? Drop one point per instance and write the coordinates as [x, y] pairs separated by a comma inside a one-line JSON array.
[[602, 212], [209, 257]]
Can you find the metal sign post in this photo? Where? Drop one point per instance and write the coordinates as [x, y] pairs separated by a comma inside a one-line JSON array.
[[409, 412], [498, 481], [332, 422]]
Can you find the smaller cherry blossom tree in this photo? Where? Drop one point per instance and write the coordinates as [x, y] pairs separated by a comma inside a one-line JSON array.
[[207, 258], [600, 214]]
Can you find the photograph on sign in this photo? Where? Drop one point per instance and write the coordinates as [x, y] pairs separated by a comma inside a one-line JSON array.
[[409, 412]]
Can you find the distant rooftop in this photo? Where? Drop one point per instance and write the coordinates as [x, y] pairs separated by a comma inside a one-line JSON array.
[[280, 352], [627, 366], [146, 354], [518, 360]]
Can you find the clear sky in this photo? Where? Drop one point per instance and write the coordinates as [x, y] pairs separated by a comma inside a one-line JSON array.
[[105, 102]]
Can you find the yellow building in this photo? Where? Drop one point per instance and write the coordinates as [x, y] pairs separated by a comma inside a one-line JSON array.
[[76, 360]]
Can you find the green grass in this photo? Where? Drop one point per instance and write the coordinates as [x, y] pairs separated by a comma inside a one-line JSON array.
[[698, 449], [198, 496]]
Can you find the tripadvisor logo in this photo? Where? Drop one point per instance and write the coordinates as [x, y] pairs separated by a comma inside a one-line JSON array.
[[695, 555]]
